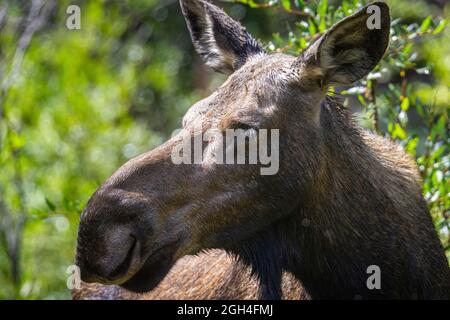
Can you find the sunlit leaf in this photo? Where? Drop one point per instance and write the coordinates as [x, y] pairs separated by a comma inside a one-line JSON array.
[[425, 24], [286, 4], [405, 104]]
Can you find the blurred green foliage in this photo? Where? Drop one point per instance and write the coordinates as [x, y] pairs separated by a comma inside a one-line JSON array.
[[82, 102]]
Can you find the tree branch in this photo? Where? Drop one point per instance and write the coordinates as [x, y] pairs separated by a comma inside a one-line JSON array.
[[38, 15]]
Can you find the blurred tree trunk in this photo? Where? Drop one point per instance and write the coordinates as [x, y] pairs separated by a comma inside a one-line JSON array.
[[12, 221], [11, 231]]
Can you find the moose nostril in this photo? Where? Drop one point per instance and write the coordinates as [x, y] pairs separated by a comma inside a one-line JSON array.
[[116, 259], [126, 264]]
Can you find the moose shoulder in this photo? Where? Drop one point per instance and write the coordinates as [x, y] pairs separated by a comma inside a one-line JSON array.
[[342, 203]]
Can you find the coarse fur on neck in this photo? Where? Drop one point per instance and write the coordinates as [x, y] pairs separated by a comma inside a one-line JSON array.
[[348, 224]]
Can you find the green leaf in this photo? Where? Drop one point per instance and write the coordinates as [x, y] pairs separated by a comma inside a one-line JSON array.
[[390, 128], [440, 27], [38, 214], [286, 4], [439, 151], [405, 104], [322, 8], [50, 204], [438, 127], [322, 25], [425, 24], [252, 4], [17, 141], [300, 4], [303, 43], [407, 49], [398, 132], [411, 146], [362, 100], [312, 27]]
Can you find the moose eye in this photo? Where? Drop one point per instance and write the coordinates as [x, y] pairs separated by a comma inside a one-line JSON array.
[[245, 126], [242, 125]]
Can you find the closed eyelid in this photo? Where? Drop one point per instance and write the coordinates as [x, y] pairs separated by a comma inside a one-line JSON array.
[[246, 126], [240, 124]]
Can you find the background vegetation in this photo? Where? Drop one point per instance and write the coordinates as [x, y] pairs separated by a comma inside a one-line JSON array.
[[76, 104]]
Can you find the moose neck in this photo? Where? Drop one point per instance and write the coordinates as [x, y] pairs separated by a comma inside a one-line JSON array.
[[317, 240]]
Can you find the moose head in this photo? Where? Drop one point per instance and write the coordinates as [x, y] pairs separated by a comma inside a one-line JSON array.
[[151, 211]]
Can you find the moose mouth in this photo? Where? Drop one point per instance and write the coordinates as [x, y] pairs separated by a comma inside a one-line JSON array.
[[152, 271]]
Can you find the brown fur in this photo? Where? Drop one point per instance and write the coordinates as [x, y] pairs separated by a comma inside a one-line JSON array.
[[343, 199], [213, 275]]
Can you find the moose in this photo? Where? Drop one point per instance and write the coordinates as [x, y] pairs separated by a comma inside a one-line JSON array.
[[343, 201]]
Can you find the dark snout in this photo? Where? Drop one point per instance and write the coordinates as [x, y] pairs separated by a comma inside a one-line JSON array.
[[117, 243], [110, 239], [108, 259]]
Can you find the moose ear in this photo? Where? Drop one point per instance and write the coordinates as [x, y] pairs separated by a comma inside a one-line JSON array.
[[352, 47], [221, 41]]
